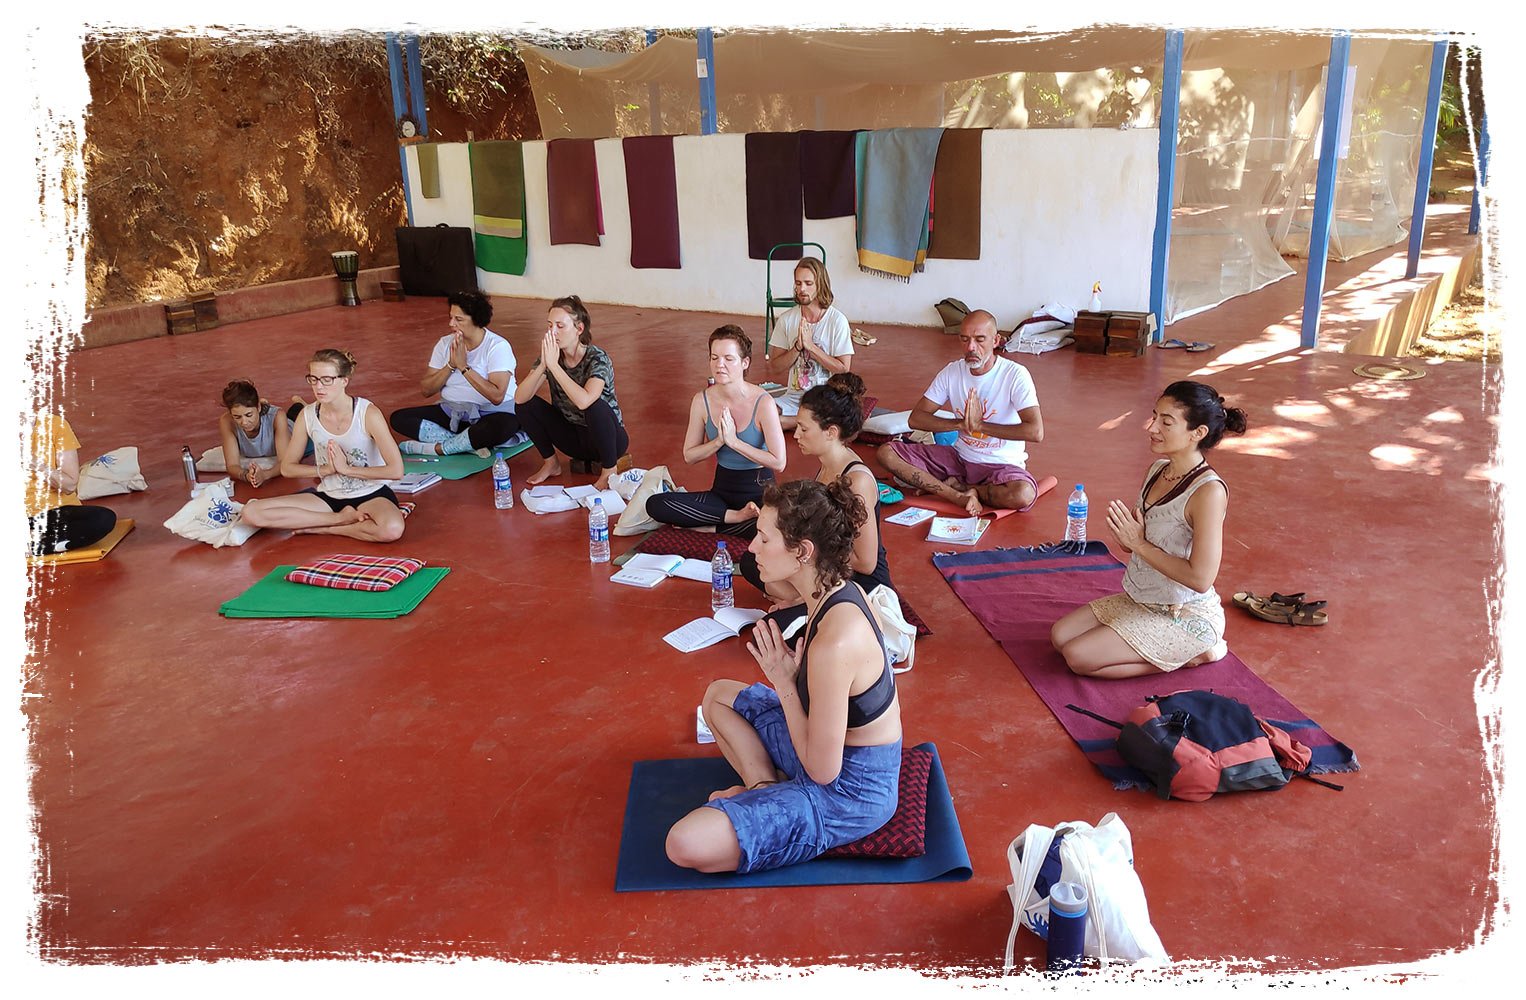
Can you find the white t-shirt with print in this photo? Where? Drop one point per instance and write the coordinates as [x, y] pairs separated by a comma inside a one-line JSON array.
[[492, 355], [1005, 390], [831, 334]]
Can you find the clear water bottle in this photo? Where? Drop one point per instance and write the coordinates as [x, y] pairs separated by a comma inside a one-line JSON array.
[[503, 490], [720, 578], [1075, 515], [598, 532], [188, 466]]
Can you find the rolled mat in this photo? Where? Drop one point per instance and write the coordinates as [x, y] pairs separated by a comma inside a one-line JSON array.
[[90, 553], [826, 173], [429, 169], [498, 205], [894, 168], [460, 466], [773, 194], [652, 189], [664, 791], [572, 192], [954, 229], [951, 509], [1018, 594], [277, 597]]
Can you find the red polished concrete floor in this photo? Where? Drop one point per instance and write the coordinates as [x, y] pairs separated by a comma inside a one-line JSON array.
[[454, 781]]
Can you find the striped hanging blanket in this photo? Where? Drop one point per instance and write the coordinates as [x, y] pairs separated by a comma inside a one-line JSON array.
[[498, 205], [894, 168]]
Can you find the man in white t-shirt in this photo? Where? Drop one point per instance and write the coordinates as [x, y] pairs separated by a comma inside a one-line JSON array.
[[996, 412], [818, 334], [472, 371]]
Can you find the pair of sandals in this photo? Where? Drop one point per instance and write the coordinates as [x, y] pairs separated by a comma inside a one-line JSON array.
[[1285, 609], [1195, 347]]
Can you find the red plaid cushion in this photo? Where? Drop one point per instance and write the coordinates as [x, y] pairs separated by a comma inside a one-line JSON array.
[[356, 572], [905, 836], [671, 541], [912, 618]]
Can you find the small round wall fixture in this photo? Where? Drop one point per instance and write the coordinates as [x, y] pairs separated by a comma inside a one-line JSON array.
[[407, 128]]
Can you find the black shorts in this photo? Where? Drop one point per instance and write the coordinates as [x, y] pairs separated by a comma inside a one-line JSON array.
[[337, 504]]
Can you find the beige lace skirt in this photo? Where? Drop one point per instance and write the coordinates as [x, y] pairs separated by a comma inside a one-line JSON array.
[[1166, 636]]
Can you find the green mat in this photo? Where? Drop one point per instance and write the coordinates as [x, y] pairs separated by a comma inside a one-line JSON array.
[[460, 466], [277, 597]]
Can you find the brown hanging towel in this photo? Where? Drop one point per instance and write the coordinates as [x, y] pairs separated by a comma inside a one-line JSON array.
[[955, 230], [572, 192], [773, 194], [826, 171], [652, 187]]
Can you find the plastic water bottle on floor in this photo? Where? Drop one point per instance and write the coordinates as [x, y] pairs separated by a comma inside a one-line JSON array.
[[1075, 515], [503, 490], [598, 532], [720, 578]]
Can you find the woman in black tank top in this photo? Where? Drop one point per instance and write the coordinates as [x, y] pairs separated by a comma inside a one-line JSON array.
[[817, 747]]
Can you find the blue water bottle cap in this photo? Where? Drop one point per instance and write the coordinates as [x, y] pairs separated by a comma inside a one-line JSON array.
[[720, 545], [1080, 487], [599, 501]]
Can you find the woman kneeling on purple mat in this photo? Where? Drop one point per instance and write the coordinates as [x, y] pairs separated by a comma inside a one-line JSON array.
[[818, 747], [1169, 615]]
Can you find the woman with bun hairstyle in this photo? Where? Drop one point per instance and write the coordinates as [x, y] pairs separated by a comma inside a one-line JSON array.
[[829, 418], [1168, 615], [818, 744], [253, 428], [582, 417], [727, 420], [355, 462], [471, 371]]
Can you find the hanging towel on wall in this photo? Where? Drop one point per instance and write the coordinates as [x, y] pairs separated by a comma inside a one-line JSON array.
[[826, 171], [652, 187], [773, 194], [572, 192], [429, 169], [498, 205], [954, 228], [894, 168]]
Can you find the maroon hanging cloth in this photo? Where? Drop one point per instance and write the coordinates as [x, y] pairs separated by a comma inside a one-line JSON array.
[[572, 192], [652, 187], [826, 172], [773, 194]]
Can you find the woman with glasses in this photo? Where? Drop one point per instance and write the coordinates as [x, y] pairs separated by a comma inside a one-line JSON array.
[[355, 459]]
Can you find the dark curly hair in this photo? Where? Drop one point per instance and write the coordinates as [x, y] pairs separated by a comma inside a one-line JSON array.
[[240, 392], [733, 332], [839, 403], [827, 515], [477, 306], [573, 306], [1205, 407]]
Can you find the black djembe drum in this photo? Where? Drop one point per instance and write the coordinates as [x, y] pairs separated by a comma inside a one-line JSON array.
[[347, 267]]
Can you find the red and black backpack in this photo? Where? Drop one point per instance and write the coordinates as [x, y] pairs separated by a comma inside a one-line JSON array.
[[1192, 744]]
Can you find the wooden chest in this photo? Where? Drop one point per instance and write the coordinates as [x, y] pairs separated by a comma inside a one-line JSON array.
[[180, 317], [392, 291], [1091, 332], [205, 306], [1128, 333]]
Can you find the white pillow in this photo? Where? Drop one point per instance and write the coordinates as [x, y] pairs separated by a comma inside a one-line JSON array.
[[888, 423], [212, 460], [114, 472]]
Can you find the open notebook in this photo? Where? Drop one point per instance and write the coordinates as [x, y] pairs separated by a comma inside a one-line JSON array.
[[644, 570]]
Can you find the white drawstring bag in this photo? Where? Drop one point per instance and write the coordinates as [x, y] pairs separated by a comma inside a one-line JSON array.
[[212, 517], [634, 519], [1101, 859], [900, 636], [114, 472]]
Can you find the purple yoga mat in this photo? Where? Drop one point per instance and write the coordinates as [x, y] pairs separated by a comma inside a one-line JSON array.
[[1018, 594]]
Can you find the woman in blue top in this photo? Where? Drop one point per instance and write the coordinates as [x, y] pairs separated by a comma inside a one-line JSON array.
[[727, 420], [818, 747]]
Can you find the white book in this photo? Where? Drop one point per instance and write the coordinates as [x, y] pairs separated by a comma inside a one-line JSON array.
[[911, 515], [957, 530], [414, 482], [727, 623], [644, 570], [613, 504], [702, 733]]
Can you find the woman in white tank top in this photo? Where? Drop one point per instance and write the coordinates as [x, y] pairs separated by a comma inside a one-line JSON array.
[[1169, 614], [355, 463]]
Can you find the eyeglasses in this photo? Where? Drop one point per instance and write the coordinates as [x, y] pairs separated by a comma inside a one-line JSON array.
[[322, 379]]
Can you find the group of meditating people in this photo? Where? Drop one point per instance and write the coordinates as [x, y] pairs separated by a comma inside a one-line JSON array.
[[818, 744]]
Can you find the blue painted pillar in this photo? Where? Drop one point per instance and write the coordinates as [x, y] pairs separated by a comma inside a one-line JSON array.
[[1324, 187], [654, 91], [1482, 170], [1427, 157], [399, 108], [416, 84], [1170, 114], [705, 67]]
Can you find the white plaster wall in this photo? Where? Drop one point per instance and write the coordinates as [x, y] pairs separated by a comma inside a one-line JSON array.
[[1061, 208]]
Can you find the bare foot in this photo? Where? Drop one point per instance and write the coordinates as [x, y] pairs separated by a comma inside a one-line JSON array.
[[726, 793], [972, 504], [602, 483], [748, 513], [299, 400], [348, 515], [550, 467]]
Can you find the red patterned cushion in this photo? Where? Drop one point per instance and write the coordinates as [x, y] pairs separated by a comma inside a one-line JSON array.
[[356, 572], [905, 836], [671, 541], [912, 618], [869, 403]]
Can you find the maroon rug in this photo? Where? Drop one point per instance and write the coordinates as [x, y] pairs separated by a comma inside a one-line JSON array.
[[572, 192], [826, 173], [773, 194], [652, 189]]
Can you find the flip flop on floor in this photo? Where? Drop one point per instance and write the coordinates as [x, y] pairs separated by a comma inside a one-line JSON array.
[[1199, 345], [1302, 613], [1244, 597], [1171, 344]]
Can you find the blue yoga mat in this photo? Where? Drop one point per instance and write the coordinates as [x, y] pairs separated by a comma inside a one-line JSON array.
[[664, 791]]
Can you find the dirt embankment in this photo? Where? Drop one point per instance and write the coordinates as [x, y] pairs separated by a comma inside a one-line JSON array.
[[215, 164]]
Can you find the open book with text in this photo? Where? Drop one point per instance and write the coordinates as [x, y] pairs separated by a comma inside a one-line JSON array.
[[727, 623], [643, 570]]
